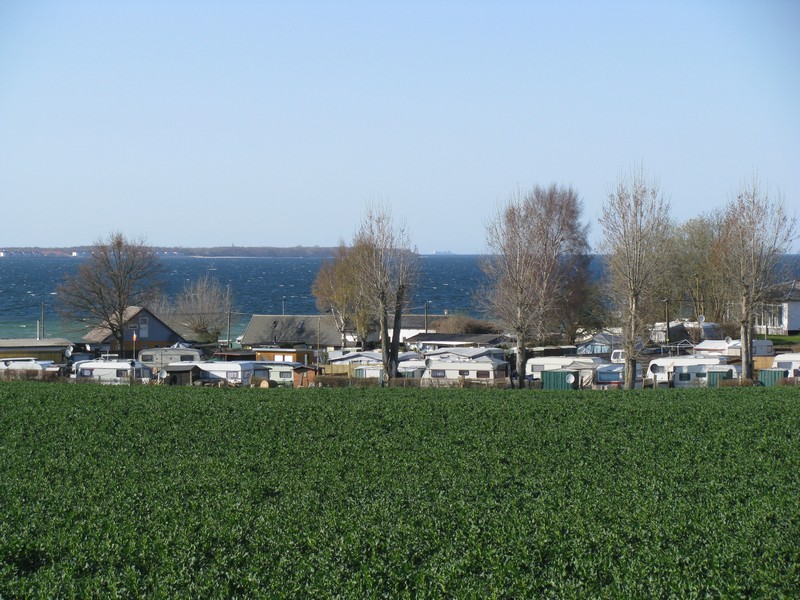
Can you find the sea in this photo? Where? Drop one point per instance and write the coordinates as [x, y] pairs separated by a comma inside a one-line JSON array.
[[448, 284], [29, 304]]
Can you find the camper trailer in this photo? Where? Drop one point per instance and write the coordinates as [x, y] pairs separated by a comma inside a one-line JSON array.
[[487, 370], [156, 358], [585, 364], [112, 371], [612, 376], [680, 371], [234, 373], [789, 361], [27, 367]]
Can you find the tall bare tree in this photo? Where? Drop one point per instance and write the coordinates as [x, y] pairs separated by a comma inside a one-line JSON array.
[[387, 270], [756, 232], [636, 221], [535, 244], [337, 289], [205, 306], [120, 273]]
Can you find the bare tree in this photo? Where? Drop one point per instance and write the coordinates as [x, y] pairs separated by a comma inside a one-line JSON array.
[[535, 242], [120, 273], [387, 269], [756, 232], [204, 305], [635, 221], [337, 290]]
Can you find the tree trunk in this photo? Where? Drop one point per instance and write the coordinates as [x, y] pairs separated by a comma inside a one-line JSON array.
[[521, 360], [746, 334]]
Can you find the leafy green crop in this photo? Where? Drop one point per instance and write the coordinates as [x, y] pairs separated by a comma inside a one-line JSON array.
[[184, 492]]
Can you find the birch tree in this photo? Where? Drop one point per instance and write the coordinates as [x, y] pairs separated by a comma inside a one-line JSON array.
[[756, 232], [387, 269], [534, 242], [635, 220]]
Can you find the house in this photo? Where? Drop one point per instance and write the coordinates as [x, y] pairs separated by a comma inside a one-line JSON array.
[[780, 316], [315, 332], [56, 349], [141, 330], [289, 355]]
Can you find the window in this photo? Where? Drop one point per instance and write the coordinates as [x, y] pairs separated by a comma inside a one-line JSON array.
[[122, 372], [149, 358], [231, 375], [85, 373], [285, 374], [437, 373], [184, 358], [700, 375], [684, 376], [463, 373], [483, 374]]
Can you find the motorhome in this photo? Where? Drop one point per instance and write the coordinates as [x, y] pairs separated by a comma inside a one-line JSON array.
[[680, 371], [113, 371], [789, 361], [156, 358]]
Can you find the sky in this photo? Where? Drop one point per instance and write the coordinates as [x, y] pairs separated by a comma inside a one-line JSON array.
[[258, 123]]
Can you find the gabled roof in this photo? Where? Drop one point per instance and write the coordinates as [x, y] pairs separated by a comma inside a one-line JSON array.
[[102, 334], [288, 331]]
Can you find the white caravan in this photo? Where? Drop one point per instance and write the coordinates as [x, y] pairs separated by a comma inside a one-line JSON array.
[[114, 371], [681, 371], [613, 376], [235, 373], [155, 358], [27, 367], [789, 361], [487, 370], [587, 365]]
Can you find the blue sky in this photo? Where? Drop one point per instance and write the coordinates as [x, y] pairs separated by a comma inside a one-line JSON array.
[[197, 123]]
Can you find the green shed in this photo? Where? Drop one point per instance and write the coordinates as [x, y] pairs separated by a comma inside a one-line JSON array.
[[560, 379], [772, 376]]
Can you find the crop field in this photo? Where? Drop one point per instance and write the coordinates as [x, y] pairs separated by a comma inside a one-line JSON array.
[[184, 492]]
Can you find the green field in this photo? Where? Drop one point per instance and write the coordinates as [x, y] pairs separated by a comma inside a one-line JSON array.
[[183, 492]]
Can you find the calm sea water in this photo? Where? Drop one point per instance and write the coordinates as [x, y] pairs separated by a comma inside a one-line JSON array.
[[260, 286]]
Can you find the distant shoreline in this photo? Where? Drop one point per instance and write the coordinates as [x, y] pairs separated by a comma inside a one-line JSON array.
[[210, 252]]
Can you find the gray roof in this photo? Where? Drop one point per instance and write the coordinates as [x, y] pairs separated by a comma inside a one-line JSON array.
[[31, 343], [462, 339], [289, 331]]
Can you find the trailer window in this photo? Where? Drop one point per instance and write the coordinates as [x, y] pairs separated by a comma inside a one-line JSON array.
[[437, 373], [186, 358], [684, 376], [148, 358], [122, 372], [483, 374], [463, 373], [85, 373], [285, 374]]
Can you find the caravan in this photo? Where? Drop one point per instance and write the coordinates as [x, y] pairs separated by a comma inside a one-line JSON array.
[[680, 371], [789, 362], [113, 371], [156, 358]]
